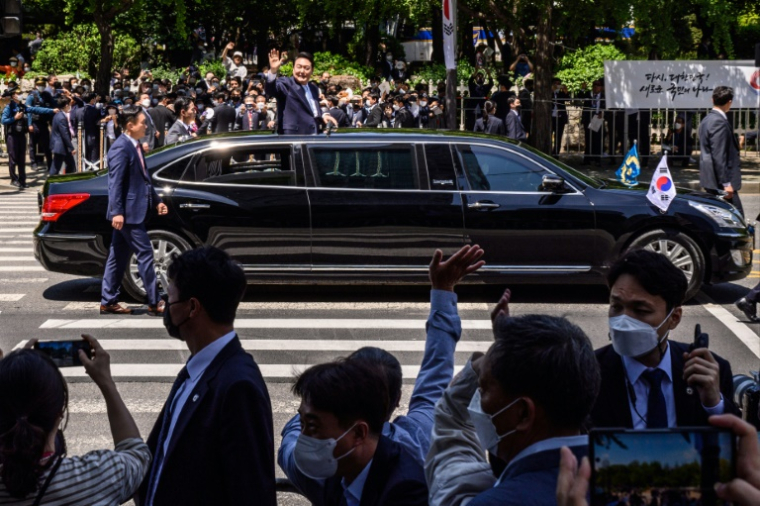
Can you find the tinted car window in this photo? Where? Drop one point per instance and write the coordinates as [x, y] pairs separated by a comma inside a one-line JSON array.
[[440, 166], [490, 169], [390, 168], [268, 166]]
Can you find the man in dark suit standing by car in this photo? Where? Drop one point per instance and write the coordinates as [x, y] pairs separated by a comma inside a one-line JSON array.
[[62, 135], [90, 117], [131, 197], [648, 380], [213, 441], [225, 116], [515, 130], [560, 97], [162, 117], [337, 113], [298, 110], [719, 162]]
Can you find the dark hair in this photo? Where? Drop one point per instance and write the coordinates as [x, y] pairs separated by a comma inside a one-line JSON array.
[[334, 101], [374, 95], [220, 94], [182, 104], [488, 107], [392, 369], [722, 95], [211, 276], [129, 114], [550, 360], [349, 389], [308, 56], [655, 273], [511, 100], [33, 394], [89, 97], [62, 101]]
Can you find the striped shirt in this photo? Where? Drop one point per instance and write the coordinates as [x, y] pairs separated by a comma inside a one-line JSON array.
[[98, 478]]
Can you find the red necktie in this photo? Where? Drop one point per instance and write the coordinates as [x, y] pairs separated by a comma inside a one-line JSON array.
[[250, 120], [142, 161]]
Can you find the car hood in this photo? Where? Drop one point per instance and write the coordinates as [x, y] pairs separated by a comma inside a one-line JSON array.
[[614, 185]]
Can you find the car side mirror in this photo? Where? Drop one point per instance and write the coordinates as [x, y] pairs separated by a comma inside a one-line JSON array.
[[553, 183]]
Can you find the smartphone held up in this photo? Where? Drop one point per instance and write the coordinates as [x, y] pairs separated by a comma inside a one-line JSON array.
[[64, 353]]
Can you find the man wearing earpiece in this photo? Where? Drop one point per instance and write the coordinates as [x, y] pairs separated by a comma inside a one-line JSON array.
[[649, 381]]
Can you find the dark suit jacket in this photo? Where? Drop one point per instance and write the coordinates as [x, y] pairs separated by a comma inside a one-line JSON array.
[[374, 118], [495, 126], [294, 114], [130, 192], [222, 447], [531, 480], [224, 120], [339, 116], [612, 408], [560, 99], [244, 124], [404, 118], [60, 135], [162, 116], [515, 129], [395, 479], [719, 161]]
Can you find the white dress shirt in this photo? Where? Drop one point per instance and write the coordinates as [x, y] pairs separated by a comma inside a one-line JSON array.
[[634, 369]]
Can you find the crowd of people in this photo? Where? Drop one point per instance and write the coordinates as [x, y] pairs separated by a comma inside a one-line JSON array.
[[510, 428]]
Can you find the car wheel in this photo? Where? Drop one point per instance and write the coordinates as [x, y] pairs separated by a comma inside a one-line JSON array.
[[165, 246], [681, 250]]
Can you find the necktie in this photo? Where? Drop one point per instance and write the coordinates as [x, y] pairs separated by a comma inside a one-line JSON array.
[[657, 412], [168, 412], [250, 120], [141, 157]]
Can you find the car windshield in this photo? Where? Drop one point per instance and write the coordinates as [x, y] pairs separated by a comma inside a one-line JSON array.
[[585, 178]]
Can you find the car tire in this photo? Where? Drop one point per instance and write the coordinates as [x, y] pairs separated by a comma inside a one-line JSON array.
[[680, 249], [165, 246]]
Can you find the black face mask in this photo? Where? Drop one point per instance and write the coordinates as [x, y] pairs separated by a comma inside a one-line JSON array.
[[171, 328]]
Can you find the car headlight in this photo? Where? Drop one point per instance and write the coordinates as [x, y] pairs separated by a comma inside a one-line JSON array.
[[723, 217]]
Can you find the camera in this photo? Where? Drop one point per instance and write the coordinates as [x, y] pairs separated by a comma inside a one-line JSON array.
[[747, 396]]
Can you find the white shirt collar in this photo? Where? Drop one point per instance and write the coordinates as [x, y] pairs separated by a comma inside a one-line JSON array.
[[634, 369], [133, 141], [720, 112], [553, 443], [199, 362]]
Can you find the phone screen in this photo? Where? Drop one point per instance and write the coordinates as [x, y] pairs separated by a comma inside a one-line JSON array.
[[64, 353], [677, 466]]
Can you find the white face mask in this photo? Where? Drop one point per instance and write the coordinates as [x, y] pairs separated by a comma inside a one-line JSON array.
[[40, 88], [396, 108], [483, 422], [423, 103], [145, 103], [314, 457], [634, 338], [260, 106]]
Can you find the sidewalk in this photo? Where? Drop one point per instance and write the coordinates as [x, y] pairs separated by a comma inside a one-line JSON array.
[[687, 177]]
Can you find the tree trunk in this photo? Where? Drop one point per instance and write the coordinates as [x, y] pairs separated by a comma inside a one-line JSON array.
[[467, 48], [103, 78], [542, 127], [437, 15], [372, 40]]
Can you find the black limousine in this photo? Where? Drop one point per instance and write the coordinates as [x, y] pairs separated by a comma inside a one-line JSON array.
[[371, 206]]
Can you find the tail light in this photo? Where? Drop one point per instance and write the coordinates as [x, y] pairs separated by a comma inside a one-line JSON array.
[[55, 205]]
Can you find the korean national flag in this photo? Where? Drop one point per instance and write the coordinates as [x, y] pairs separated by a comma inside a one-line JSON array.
[[662, 189]]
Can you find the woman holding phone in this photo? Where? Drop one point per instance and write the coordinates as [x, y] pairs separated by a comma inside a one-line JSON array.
[[34, 467]]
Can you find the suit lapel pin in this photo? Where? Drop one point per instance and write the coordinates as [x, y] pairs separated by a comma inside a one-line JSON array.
[[195, 397]]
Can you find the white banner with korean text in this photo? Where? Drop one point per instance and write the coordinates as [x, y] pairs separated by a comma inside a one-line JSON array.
[[679, 84], [450, 33]]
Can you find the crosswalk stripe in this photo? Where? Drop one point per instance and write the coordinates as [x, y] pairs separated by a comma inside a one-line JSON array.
[[18, 241], [14, 222], [261, 323], [16, 250], [305, 306], [27, 230], [285, 345], [4, 207], [11, 297], [282, 372], [6, 212], [23, 280], [19, 268], [17, 259]]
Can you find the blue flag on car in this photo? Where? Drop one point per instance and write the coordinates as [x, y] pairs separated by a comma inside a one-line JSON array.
[[631, 168]]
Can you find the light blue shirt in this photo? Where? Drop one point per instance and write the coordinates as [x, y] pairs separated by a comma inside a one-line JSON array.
[[353, 492], [196, 366], [634, 369], [553, 443], [413, 430], [310, 99]]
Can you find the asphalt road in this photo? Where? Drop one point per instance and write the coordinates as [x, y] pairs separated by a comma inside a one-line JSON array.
[[285, 327]]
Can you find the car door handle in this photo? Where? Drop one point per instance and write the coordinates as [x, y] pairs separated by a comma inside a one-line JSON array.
[[194, 206], [483, 204]]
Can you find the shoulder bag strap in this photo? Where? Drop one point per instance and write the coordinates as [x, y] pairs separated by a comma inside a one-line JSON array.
[[45, 486]]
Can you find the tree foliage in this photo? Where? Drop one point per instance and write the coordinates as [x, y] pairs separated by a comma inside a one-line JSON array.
[[78, 50], [585, 65], [334, 64]]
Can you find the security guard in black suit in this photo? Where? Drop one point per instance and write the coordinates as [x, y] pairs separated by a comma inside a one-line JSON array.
[[560, 98], [39, 125]]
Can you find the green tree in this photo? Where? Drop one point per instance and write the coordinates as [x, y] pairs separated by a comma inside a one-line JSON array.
[[585, 65]]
